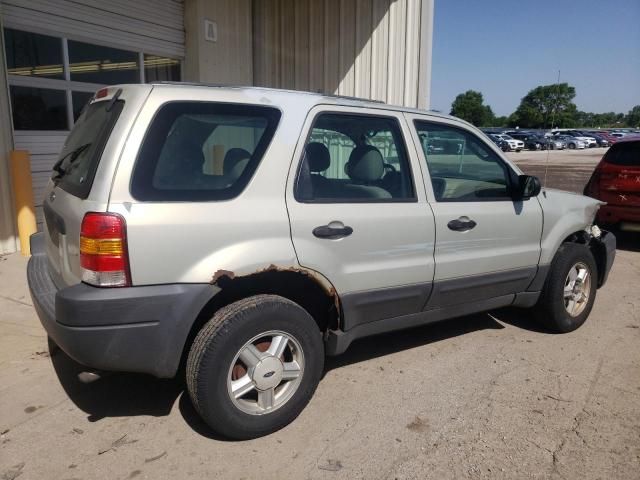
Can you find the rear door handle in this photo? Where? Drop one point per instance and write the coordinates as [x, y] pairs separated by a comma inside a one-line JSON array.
[[333, 231], [462, 224]]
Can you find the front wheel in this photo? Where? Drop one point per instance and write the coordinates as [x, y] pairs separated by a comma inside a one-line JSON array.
[[569, 290], [254, 366]]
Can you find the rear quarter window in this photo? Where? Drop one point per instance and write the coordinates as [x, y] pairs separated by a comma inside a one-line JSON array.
[[201, 151], [626, 154]]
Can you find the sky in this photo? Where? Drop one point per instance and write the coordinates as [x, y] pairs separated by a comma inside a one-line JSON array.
[[506, 48]]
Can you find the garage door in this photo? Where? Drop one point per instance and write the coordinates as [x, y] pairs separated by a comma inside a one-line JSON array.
[[59, 52]]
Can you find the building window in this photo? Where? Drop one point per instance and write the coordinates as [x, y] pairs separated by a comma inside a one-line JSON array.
[[38, 108], [157, 69], [51, 79], [103, 65], [33, 55]]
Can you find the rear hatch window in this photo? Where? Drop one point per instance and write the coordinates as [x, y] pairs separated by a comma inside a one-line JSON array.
[[625, 154], [200, 151], [77, 164]]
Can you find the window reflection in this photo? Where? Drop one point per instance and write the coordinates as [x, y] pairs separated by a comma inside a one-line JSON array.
[[32, 54], [38, 108], [157, 69], [79, 100], [103, 65]]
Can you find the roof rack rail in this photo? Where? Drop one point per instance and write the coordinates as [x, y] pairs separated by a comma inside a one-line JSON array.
[[216, 85], [349, 97]]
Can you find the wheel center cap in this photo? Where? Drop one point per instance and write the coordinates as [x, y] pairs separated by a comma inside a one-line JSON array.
[[267, 373]]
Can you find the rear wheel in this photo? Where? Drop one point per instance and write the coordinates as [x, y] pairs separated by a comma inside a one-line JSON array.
[[570, 289], [254, 366], [572, 146]]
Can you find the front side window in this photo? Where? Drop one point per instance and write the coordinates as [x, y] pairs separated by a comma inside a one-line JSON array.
[[461, 166], [202, 151], [354, 158]]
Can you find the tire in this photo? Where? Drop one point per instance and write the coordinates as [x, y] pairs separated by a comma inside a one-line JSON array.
[[572, 146], [242, 329], [552, 309]]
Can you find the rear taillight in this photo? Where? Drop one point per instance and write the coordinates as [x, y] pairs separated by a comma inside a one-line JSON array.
[[103, 250]]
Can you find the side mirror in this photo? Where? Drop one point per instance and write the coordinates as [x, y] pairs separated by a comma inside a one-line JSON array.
[[528, 186]]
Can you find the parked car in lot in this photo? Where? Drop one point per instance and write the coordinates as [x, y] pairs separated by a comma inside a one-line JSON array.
[[514, 144], [556, 143], [600, 140], [589, 141], [571, 142], [530, 141], [616, 180], [535, 141], [604, 138], [502, 144], [245, 233]]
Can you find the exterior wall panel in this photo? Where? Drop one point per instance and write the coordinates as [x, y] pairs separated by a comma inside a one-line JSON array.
[[362, 69], [412, 54], [154, 26], [347, 47], [8, 232], [365, 48]]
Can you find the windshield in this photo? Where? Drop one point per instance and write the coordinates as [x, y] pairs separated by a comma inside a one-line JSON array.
[[77, 164]]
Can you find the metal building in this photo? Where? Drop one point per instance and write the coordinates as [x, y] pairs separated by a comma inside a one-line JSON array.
[[56, 53]]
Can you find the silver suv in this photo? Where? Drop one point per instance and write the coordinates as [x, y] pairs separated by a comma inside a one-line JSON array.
[[239, 235]]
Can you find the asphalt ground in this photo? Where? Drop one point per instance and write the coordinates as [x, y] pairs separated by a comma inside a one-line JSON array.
[[564, 169], [485, 396]]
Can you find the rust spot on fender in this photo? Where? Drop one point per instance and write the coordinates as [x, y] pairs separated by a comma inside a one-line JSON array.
[[222, 279], [222, 274]]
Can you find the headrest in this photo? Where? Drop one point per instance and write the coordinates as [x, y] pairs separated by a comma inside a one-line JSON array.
[[232, 158], [317, 157], [365, 164]]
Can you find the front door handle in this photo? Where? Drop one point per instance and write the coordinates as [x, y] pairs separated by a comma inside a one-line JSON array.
[[462, 224], [333, 231]]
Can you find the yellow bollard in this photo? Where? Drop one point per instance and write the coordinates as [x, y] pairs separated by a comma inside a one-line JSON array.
[[23, 197]]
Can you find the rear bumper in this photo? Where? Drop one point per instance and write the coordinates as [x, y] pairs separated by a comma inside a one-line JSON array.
[[613, 214], [136, 329]]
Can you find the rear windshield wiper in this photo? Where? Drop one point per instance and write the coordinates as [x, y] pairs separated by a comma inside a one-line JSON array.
[[74, 154]]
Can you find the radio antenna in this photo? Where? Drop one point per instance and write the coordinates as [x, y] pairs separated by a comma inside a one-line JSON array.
[[553, 116]]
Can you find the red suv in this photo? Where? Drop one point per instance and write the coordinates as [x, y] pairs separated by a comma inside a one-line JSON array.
[[616, 180]]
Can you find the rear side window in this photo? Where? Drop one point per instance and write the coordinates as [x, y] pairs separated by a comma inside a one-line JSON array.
[[76, 167], [352, 158], [196, 151], [626, 154]]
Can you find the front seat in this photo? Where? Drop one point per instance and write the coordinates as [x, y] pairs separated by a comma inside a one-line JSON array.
[[365, 168]]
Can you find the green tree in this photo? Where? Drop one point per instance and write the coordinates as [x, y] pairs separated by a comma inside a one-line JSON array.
[[499, 122], [633, 117], [547, 104], [470, 107]]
